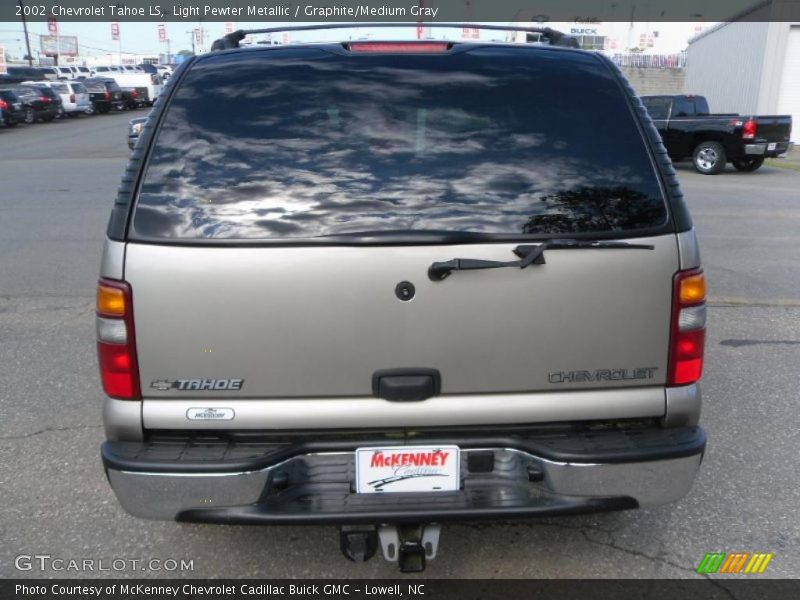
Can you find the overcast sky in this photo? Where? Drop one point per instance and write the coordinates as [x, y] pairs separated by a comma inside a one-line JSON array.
[[95, 38]]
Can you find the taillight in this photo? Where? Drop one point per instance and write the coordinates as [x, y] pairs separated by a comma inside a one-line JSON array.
[[116, 342], [688, 331], [107, 95], [399, 46], [44, 98], [72, 98], [134, 93], [749, 130], [3, 104]]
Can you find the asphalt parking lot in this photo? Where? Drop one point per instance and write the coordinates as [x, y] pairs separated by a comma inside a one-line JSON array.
[[57, 182]]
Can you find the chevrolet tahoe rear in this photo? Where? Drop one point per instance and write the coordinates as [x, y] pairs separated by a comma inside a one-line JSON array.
[[397, 284]]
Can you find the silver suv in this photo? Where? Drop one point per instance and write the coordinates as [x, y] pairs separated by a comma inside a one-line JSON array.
[[388, 285]]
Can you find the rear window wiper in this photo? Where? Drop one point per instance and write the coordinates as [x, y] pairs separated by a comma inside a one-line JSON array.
[[528, 255]]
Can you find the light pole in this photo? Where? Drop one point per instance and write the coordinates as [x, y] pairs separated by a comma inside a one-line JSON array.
[[25, 27]]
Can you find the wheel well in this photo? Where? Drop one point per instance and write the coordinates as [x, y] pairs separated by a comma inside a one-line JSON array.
[[699, 140]]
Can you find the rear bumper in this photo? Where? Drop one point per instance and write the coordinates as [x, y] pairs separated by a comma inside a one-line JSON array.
[[765, 150], [217, 480]]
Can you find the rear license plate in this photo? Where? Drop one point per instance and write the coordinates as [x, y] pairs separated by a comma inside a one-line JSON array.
[[772, 146], [407, 469]]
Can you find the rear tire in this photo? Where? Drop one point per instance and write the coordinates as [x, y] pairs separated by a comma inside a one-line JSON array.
[[748, 165], [103, 110], [30, 117], [709, 158]]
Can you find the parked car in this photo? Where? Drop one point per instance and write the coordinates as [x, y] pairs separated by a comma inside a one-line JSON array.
[[132, 98], [491, 312], [134, 130], [149, 85], [43, 103], [49, 73], [16, 74], [65, 73], [101, 71], [74, 97], [13, 108], [165, 71], [81, 72], [104, 94], [689, 130]]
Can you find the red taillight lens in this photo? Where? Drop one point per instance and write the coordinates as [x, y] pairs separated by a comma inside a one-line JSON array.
[[44, 98], [688, 333], [107, 95], [72, 98], [134, 93], [116, 342], [749, 130], [410, 47], [3, 104]]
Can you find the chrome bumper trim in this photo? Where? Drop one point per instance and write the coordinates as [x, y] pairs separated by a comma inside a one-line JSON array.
[[755, 148], [167, 495]]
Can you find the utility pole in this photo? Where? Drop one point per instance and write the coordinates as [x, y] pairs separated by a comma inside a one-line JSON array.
[[192, 33], [25, 27]]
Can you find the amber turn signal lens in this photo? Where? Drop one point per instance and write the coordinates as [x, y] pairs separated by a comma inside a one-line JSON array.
[[693, 289], [110, 301]]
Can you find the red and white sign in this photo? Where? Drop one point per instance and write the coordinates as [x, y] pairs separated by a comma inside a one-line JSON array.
[[470, 33], [228, 27], [115, 30], [52, 25], [162, 33], [408, 469], [198, 37], [3, 60]]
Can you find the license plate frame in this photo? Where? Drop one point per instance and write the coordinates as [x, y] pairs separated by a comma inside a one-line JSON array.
[[408, 469]]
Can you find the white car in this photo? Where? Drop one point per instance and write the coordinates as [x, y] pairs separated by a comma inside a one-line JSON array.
[[74, 95], [164, 71], [65, 73], [102, 71], [82, 72]]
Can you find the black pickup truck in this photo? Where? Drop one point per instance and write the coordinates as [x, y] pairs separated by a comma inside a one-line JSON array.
[[689, 129]]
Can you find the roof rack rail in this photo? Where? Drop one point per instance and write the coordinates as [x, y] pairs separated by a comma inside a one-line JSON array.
[[551, 36]]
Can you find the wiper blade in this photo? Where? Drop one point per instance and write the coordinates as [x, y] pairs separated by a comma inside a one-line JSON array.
[[529, 255]]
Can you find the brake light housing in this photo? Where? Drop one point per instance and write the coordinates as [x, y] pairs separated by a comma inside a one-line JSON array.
[[749, 130], [107, 95], [72, 98], [399, 47], [116, 340], [688, 328], [3, 104]]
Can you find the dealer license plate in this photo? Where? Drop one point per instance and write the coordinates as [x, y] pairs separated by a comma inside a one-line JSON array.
[[407, 469]]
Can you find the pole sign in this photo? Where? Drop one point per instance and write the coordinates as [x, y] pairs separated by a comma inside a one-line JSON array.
[[52, 25], [228, 27], [162, 33], [115, 31], [198, 37]]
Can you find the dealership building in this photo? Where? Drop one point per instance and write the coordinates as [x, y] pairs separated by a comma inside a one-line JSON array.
[[750, 64]]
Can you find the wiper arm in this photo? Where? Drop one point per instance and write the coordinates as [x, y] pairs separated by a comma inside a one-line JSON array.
[[529, 255]]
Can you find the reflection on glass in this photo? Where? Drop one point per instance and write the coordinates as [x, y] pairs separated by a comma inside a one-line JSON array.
[[304, 143]]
